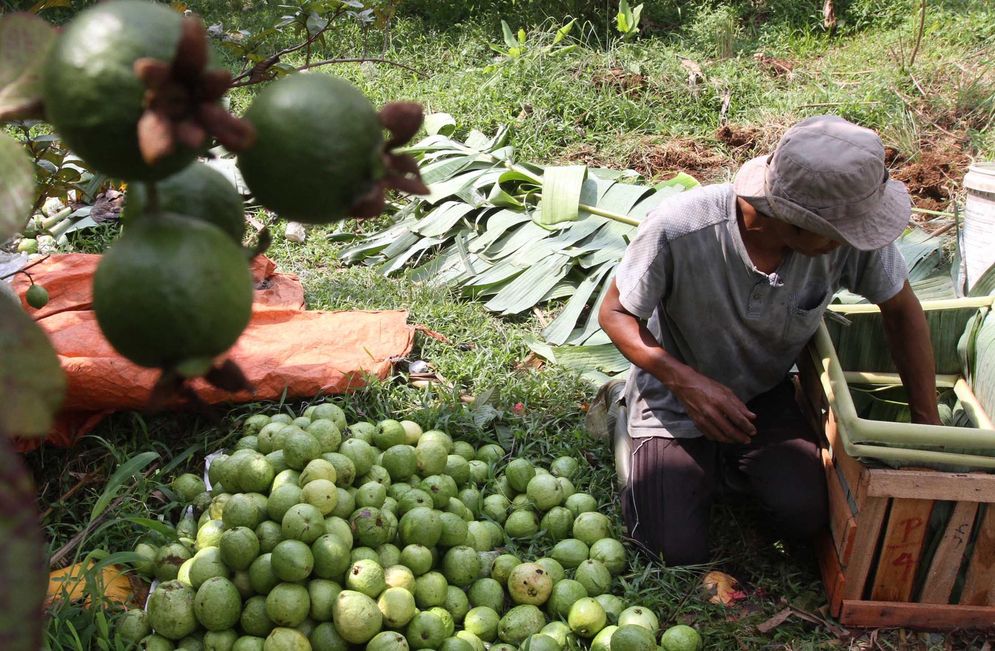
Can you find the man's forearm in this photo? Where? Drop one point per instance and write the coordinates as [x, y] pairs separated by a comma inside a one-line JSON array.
[[908, 339]]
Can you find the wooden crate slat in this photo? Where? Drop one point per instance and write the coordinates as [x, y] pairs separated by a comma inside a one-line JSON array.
[[945, 486], [852, 472], [949, 554], [901, 549], [869, 523], [979, 583], [832, 574], [930, 617], [841, 521]]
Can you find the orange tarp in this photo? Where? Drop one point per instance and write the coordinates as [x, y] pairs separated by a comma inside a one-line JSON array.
[[284, 348]]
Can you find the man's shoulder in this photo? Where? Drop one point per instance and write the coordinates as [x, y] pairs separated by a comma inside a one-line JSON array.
[[692, 211]]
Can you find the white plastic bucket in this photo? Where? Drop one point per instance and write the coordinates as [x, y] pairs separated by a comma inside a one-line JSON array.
[[978, 244]]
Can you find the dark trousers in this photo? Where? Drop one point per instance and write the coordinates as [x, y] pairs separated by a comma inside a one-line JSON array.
[[671, 484]]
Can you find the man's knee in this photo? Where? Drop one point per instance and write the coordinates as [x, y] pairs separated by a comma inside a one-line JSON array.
[[800, 514]]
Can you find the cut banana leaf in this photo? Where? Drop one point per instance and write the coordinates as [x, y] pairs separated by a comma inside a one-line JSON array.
[[561, 189]]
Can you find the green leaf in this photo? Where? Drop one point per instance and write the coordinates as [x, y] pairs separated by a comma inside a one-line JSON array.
[[23, 565], [24, 42], [509, 36], [31, 379], [521, 36], [623, 20], [440, 123], [125, 472], [163, 529], [562, 32], [561, 188], [559, 330], [442, 219], [682, 180], [17, 190], [527, 289]]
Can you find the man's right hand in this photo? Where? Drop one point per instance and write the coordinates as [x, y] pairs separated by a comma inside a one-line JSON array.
[[714, 408]]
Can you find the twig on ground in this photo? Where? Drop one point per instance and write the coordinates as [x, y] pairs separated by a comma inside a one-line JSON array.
[[56, 559], [23, 270]]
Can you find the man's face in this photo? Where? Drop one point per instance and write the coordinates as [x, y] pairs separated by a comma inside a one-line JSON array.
[[807, 242]]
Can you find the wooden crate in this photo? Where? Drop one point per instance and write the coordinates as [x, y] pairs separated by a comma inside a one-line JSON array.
[[875, 561]]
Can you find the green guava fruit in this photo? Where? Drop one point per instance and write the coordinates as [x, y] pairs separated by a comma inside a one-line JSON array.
[[172, 292], [261, 576], [400, 576], [366, 576], [453, 643], [461, 565], [465, 450], [413, 498], [239, 547], [329, 140], [458, 468], [322, 494], [420, 526], [539, 642], [502, 567], [389, 554], [187, 487], [586, 617], [591, 527], [197, 191], [217, 604], [632, 638], [594, 576], [521, 524], [92, 95], [133, 625], [559, 631], [397, 606], [324, 637], [327, 434], [564, 595], [483, 622], [519, 623], [430, 457], [680, 638], [639, 616], [389, 433], [557, 523], [418, 558], [292, 560], [388, 641], [581, 503], [457, 603], [288, 604], [454, 530], [613, 606], [611, 552], [323, 594], [602, 641], [168, 560], [564, 467], [303, 522], [400, 461], [480, 472], [362, 454], [345, 469], [254, 620], [544, 491], [332, 412], [529, 583], [426, 630], [570, 552], [519, 473], [487, 592], [371, 494], [356, 617], [430, 590], [171, 610], [370, 526], [286, 639], [490, 453]]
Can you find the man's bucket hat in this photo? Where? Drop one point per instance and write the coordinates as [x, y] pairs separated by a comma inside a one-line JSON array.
[[828, 176]]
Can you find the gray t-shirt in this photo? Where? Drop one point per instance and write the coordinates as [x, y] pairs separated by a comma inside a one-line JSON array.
[[688, 275]]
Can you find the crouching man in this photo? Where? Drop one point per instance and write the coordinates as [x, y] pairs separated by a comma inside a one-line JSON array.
[[712, 303]]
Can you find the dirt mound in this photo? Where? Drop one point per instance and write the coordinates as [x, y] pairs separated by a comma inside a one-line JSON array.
[[662, 160], [630, 84], [934, 175]]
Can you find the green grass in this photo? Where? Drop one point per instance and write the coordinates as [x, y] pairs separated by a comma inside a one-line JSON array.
[[558, 104]]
